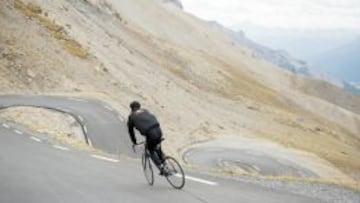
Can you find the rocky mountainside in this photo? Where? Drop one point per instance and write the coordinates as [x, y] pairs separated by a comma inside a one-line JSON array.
[[199, 82]]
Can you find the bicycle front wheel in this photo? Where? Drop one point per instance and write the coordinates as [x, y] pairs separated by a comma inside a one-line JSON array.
[[147, 168], [175, 174]]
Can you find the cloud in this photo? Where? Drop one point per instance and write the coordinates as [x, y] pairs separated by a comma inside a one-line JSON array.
[[306, 14]]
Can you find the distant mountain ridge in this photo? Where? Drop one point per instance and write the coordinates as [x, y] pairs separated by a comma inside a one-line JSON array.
[[343, 61], [339, 66], [177, 3], [352, 87], [278, 57], [284, 60]]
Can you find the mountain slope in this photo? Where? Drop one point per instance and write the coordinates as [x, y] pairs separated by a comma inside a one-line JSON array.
[[318, 88], [199, 83]]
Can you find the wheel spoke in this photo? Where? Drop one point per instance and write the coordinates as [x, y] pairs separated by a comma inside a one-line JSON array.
[[148, 171], [176, 176]]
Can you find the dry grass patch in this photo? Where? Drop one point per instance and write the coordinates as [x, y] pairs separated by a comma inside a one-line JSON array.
[[75, 48], [344, 155], [33, 10]]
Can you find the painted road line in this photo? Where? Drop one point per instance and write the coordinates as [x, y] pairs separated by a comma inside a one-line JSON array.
[[61, 147], [5, 125], [108, 107], [121, 117], [76, 99], [35, 139], [198, 180], [255, 167], [18, 132], [81, 118], [104, 158]]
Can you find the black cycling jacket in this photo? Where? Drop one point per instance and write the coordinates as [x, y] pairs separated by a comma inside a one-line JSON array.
[[142, 120]]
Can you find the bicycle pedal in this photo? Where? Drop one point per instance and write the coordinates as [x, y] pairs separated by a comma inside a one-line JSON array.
[[164, 173]]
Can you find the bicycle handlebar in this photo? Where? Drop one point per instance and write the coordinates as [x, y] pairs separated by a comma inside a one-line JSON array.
[[141, 143], [134, 145]]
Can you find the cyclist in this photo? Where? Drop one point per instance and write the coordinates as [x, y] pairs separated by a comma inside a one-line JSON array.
[[147, 124]]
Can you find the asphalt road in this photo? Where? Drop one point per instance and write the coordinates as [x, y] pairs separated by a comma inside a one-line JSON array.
[[35, 170], [104, 127]]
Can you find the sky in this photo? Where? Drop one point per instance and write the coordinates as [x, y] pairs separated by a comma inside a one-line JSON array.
[[299, 14]]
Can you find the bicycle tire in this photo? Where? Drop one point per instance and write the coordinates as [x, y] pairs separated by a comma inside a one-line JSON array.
[[176, 176], [147, 168]]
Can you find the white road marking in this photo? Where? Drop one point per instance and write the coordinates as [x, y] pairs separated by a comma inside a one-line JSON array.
[[5, 125], [199, 180], [256, 168], [18, 132], [81, 118], [108, 108], [35, 139], [76, 99], [85, 129], [61, 147], [105, 158], [121, 117]]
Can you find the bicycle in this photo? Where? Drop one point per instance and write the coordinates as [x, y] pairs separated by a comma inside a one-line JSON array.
[[173, 171]]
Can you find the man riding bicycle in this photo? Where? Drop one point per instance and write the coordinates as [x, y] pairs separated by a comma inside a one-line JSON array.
[[147, 124]]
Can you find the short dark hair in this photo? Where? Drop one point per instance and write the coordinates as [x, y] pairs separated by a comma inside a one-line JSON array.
[[135, 105]]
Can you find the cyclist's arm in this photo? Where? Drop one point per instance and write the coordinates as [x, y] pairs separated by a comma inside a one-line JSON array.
[[130, 125]]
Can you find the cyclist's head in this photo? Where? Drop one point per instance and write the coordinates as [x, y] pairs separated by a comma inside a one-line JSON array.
[[135, 105]]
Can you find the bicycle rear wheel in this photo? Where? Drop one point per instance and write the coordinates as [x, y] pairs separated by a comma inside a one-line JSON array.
[[175, 174], [147, 168]]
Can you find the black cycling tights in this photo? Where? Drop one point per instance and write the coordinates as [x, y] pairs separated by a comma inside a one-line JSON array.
[[153, 140]]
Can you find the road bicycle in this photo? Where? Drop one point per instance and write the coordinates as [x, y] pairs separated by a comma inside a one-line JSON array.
[[173, 171]]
